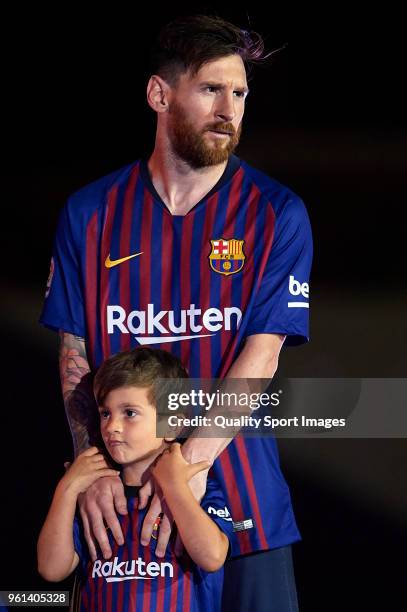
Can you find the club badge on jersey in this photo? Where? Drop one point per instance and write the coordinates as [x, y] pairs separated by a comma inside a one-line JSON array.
[[227, 256]]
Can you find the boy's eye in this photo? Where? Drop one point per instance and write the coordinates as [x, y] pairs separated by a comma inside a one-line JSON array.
[[131, 413]]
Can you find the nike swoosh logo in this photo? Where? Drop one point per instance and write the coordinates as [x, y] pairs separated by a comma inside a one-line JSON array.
[[111, 263]]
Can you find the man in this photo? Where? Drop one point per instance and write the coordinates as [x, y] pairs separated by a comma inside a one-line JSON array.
[[207, 257]]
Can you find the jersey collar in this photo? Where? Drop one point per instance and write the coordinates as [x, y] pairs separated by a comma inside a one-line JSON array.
[[231, 168]]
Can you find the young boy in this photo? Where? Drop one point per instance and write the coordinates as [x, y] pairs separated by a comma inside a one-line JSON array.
[[135, 578]]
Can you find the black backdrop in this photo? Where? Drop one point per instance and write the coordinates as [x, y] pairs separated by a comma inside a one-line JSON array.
[[328, 120]]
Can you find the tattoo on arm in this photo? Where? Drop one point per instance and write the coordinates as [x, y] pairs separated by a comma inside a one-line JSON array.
[[76, 381]]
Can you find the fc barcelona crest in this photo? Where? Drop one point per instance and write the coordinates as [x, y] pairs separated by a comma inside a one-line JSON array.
[[227, 256]]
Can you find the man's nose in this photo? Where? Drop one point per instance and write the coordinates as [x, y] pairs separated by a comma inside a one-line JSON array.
[[226, 107]]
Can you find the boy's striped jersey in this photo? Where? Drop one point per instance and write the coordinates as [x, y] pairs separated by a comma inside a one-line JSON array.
[[134, 579]]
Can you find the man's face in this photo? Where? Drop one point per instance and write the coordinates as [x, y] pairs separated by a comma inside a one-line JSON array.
[[206, 111], [128, 425]]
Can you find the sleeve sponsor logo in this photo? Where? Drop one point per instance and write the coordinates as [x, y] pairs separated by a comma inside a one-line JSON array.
[[298, 289], [222, 513]]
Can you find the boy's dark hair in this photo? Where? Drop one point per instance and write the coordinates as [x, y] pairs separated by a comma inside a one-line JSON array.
[[140, 367], [189, 42]]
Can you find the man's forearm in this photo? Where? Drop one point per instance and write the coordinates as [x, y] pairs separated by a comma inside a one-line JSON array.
[[77, 390], [259, 360]]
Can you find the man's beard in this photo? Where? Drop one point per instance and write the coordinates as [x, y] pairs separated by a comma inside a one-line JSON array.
[[190, 145]]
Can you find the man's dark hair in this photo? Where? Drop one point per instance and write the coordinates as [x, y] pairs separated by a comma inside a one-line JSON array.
[[189, 42], [140, 367]]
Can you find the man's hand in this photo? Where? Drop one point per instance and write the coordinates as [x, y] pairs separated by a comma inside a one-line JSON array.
[[167, 466], [154, 511], [100, 503]]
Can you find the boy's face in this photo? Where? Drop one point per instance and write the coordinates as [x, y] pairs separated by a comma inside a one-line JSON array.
[[128, 425]]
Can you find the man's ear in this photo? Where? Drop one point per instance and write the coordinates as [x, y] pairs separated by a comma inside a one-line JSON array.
[[158, 93]]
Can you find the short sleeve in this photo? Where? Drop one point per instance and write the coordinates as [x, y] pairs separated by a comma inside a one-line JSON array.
[[64, 305], [281, 304], [215, 506]]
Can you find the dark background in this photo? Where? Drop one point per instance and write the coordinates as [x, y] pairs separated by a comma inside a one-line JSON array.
[[327, 119]]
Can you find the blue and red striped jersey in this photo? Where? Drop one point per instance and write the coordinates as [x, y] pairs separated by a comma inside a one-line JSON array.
[[135, 580], [126, 272]]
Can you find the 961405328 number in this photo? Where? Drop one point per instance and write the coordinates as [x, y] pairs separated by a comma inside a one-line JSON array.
[[34, 598]]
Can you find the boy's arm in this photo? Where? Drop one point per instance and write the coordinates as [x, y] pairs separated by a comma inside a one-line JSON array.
[[55, 550], [205, 543]]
